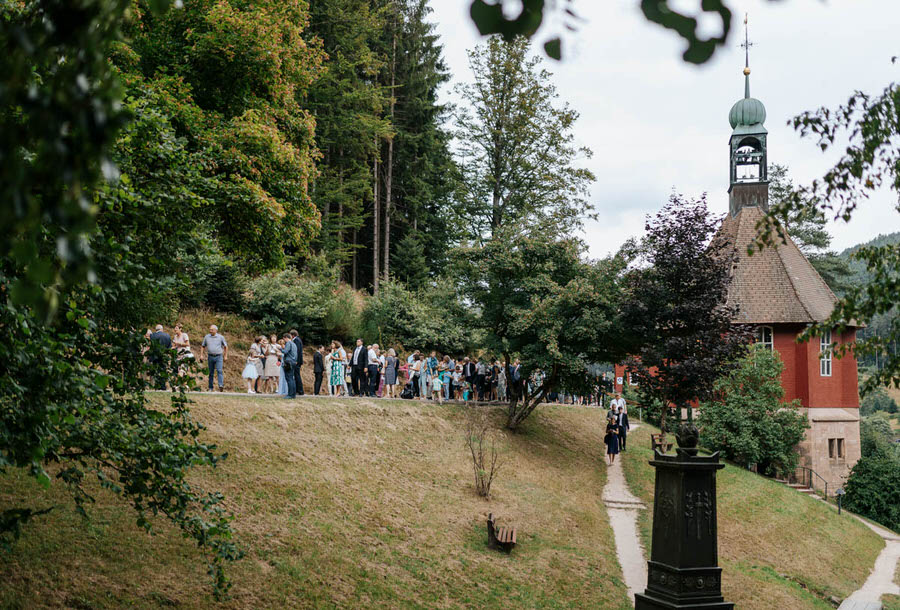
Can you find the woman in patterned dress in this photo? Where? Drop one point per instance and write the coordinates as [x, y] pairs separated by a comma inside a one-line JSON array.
[[336, 379]]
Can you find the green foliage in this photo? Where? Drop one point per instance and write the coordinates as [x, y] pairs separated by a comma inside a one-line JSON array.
[[319, 308], [807, 228], [517, 147], [676, 314], [410, 265], [58, 121], [490, 18], [432, 319], [539, 301], [425, 174], [749, 422], [877, 400], [348, 107], [873, 489], [230, 75]]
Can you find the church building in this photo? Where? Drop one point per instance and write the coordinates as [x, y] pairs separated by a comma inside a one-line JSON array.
[[779, 293]]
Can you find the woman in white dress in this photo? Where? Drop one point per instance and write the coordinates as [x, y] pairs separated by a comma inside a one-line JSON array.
[[271, 370]]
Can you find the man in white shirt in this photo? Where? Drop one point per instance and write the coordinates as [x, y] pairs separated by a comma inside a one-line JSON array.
[[359, 361], [617, 402], [374, 373]]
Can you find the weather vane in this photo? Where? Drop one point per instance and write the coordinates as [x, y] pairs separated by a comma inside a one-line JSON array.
[[746, 46]]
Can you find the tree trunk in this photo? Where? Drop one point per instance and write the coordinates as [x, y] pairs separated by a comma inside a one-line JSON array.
[[354, 260], [390, 171], [376, 222]]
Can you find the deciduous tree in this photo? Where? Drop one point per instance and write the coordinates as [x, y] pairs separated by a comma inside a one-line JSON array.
[[676, 310], [748, 421]]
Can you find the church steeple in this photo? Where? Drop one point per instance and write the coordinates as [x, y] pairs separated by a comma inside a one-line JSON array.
[[748, 177]]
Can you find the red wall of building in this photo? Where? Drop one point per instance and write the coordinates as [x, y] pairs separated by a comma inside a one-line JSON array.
[[801, 377]]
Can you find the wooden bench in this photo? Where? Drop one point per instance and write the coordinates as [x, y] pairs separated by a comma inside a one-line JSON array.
[[500, 537], [658, 441]]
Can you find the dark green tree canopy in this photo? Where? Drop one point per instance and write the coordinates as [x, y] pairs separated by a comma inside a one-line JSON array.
[[676, 311]]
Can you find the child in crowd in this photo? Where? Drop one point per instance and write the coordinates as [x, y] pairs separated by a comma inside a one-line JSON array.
[[251, 373], [458, 383], [436, 387]]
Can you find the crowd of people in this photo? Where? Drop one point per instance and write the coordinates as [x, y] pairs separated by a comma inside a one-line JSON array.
[[273, 366]]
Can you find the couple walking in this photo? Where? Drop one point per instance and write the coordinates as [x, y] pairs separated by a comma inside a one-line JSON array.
[[617, 427]]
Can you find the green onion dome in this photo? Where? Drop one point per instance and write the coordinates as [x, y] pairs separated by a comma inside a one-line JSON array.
[[748, 111]]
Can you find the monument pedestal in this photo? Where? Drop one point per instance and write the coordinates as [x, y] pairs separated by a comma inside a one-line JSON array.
[[683, 570]]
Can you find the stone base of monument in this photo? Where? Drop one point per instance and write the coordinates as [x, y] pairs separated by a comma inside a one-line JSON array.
[[683, 570]]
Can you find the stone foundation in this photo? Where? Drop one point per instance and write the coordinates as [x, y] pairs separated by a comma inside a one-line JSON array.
[[831, 446]]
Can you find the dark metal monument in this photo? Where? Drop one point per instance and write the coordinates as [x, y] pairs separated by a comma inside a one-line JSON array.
[[683, 571]]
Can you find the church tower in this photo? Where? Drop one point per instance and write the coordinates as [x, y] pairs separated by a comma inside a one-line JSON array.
[[749, 174], [778, 292]]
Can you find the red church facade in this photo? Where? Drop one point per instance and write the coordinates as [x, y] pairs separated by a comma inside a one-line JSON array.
[[779, 292]]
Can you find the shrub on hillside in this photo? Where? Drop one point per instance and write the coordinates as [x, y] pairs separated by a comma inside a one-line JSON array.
[[318, 308], [432, 318], [750, 423], [877, 400], [873, 489]]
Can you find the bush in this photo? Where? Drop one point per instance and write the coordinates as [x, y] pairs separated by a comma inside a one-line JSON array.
[[873, 489], [319, 309], [432, 319], [751, 424], [877, 400]]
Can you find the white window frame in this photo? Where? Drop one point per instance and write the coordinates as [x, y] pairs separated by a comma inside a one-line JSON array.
[[825, 354], [761, 337]]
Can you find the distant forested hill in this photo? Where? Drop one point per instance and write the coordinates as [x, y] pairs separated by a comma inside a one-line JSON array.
[[859, 274], [880, 325]]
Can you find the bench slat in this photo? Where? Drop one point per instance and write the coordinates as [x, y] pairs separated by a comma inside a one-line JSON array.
[[513, 536]]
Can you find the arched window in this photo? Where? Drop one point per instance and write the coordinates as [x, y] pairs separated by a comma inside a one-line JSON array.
[[764, 337], [748, 160]]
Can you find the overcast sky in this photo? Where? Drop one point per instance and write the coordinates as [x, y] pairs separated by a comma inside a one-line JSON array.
[[656, 123]]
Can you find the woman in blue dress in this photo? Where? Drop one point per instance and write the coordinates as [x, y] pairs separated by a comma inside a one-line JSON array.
[[612, 441]]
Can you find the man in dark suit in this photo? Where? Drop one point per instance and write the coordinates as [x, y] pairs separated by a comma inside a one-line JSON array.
[[159, 352], [359, 361], [295, 337], [318, 368], [622, 421]]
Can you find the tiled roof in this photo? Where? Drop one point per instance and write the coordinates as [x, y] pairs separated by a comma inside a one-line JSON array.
[[777, 284]]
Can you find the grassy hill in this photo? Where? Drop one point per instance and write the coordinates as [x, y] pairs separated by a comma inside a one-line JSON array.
[[347, 504], [371, 504], [778, 547]]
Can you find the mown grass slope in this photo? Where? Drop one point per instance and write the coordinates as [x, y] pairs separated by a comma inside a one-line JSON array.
[[778, 548], [345, 503]]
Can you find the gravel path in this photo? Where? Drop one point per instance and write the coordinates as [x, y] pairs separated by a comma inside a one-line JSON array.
[[622, 507], [881, 579]]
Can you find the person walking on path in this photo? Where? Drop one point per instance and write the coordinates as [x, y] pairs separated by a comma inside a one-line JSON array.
[[216, 348], [298, 343], [617, 402], [612, 441], [289, 364], [622, 423], [318, 368]]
